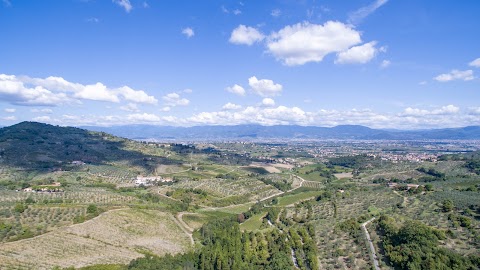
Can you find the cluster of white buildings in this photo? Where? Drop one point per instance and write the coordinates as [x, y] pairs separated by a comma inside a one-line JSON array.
[[151, 180]]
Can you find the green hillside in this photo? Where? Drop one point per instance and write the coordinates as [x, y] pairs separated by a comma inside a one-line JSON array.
[[32, 145]]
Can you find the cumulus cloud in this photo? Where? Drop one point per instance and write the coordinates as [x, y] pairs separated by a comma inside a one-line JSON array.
[[138, 96], [305, 42], [188, 32], [144, 117], [449, 109], [466, 75], [231, 106], [124, 4], [264, 87], [358, 54], [166, 109], [52, 91], [13, 90], [10, 110], [252, 115], [268, 102], [360, 14], [174, 99], [98, 92], [475, 63], [245, 35], [409, 118], [236, 89]]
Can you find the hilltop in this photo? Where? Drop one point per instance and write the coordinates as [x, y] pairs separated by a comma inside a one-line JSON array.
[[35, 145]]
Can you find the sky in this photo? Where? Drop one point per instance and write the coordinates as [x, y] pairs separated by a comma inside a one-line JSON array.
[[403, 64]]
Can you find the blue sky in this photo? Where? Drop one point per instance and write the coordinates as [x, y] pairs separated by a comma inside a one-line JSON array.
[[404, 64]]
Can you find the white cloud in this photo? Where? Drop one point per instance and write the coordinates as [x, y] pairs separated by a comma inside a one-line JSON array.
[[305, 42], [130, 107], [360, 14], [145, 117], [98, 92], [138, 96], [236, 89], [124, 4], [166, 109], [268, 102], [252, 115], [174, 99], [225, 10], [56, 90], [385, 63], [357, 55], [475, 63], [7, 3], [187, 91], [9, 118], [13, 90], [188, 32], [445, 110], [466, 75], [276, 12], [246, 35], [237, 12], [44, 119], [10, 110], [475, 111], [145, 4], [231, 106], [423, 83], [264, 87], [409, 118]]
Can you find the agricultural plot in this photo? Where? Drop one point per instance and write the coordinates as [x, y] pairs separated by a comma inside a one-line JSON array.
[[401, 170], [252, 188], [427, 209], [112, 174], [313, 184], [36, 220], [291, 199], [115, 237], [338, 249], [86, 196]]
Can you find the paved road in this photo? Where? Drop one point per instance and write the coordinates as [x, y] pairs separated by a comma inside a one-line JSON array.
[[370, 244]]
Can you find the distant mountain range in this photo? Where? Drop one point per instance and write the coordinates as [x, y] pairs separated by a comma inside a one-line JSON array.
[[246, 132]]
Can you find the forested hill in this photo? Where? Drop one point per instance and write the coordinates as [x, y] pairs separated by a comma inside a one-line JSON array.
[[36, 145], [287, 131]]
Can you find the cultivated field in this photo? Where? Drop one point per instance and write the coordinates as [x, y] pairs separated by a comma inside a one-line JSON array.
[[117, 236]]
